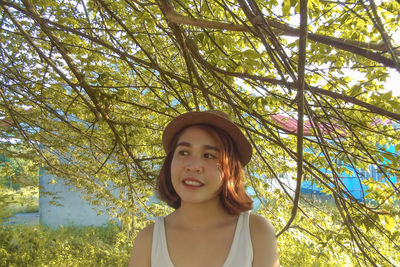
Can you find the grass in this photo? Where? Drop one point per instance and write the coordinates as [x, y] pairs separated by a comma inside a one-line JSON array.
[[22, 245], [38, 245], [24, 200]]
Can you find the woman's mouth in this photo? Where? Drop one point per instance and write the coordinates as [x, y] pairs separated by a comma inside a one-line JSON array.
[[192, 183]]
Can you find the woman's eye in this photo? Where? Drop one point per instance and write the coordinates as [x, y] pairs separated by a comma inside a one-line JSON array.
[[209, 156], [183, 152]]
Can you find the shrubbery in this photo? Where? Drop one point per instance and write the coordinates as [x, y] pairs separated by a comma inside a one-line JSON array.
[[26, 199], [37, 245], [66, 246]]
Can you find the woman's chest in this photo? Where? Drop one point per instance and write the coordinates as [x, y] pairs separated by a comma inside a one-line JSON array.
[[200, 248]]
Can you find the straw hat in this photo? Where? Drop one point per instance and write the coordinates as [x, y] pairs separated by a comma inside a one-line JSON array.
[[214, 118]]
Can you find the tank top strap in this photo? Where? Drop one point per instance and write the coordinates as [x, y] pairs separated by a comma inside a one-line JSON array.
[[241, 253], [159, 249]]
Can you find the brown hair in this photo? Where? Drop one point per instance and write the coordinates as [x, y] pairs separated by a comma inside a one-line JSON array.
[[233, 196]]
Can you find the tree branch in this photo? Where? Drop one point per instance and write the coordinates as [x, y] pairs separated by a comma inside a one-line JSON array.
[[283, 29], [300, 110]]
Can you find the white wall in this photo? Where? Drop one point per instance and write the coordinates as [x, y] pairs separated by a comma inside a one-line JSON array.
[[73, 210]]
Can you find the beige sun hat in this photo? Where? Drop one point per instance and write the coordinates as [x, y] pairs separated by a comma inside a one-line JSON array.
[[215, 118]]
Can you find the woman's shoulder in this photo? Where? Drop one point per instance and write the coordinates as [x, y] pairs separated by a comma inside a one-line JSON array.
[[141, 253], [263, 239], [259, 223], [146, 233]]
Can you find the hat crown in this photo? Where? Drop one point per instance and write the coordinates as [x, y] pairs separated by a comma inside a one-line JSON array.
[[215, 118], [220, 113]]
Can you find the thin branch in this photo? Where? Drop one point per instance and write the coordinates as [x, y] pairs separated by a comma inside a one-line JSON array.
[[283, 29], [300, 110], [379, 25]]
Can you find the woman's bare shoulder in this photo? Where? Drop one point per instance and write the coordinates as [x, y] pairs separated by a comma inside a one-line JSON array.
[[259, 223], [146, 232], [141, 253], [265, 249]]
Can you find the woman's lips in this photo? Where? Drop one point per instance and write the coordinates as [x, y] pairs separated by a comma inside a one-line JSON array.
[[192, 183]]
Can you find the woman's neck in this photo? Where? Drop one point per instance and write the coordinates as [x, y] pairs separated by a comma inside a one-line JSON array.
[[193, 216]]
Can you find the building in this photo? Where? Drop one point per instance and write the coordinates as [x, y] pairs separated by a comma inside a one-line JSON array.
[[351, 178]]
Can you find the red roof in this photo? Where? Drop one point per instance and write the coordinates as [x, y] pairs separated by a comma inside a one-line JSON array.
[[289, 124]]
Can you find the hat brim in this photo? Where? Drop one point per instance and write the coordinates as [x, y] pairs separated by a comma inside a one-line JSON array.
[[208, 118]]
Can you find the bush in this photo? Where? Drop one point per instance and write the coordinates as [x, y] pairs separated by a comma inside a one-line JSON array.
[[24, 200], [22, 245]]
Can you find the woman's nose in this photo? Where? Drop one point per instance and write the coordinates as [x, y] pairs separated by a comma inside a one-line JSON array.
[[193, 168], [194, 165]]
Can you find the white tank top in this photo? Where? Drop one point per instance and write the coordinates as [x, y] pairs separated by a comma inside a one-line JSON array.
[[240, 254]]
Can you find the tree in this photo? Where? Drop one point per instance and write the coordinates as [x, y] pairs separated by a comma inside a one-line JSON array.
[[90, 84]]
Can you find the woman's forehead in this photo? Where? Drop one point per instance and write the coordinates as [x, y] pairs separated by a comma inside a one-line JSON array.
[[199, 134]]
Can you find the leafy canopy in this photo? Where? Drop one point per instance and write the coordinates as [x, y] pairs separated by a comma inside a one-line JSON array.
[[90, 85]]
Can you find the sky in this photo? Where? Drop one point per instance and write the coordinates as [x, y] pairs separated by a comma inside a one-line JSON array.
[[393, 83]]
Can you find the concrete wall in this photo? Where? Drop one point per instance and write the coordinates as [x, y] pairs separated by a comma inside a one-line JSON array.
[[73, 208]]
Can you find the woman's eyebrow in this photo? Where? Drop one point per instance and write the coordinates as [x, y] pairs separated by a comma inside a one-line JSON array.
[[183, 144], [208, 147]]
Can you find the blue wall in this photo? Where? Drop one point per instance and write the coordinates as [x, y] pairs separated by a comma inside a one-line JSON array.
[[353, 179]]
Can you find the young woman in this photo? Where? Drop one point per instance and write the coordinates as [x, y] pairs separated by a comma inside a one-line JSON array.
[[202, 180]]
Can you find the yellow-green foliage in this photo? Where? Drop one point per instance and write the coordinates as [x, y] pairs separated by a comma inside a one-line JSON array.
[[66, 246], [18, 201], [319, 237]]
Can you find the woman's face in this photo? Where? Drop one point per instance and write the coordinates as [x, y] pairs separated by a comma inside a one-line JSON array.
[[195, 172]]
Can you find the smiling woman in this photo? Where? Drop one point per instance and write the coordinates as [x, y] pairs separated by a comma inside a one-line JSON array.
[[220, 151], [202, 178]]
